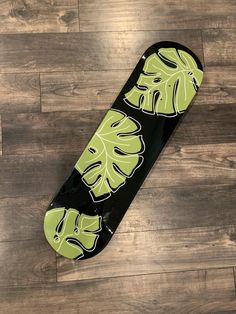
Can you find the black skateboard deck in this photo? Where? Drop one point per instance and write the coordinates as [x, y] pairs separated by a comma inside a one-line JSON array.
[[88, 208]]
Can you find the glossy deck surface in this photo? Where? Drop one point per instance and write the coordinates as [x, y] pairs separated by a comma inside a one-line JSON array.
[[85, 213]]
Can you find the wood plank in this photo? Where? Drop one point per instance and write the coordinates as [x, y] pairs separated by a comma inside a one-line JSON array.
[[43, 174], [234, 270], [210, 291], [34, 16], [180, 207], [194, 165], [125, 15], [152, 209], [219, 86], [156, 252], [26, 262], [93, 90], [34, 175], [19, 92], [204, 125], [70, 131], [48, 132], [219, 47], [22, 217], [84, 90], [0, 135], [84, 51]]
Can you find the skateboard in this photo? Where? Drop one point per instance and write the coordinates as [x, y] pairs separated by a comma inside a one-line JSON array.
[[83, 216]]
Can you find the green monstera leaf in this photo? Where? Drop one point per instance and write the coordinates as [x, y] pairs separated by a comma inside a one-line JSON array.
[[112, 155], [71, 233], [168, 83]]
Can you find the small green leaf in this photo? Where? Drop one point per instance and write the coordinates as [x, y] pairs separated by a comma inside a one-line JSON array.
[[112, 155], [169, 81], [70, 233]]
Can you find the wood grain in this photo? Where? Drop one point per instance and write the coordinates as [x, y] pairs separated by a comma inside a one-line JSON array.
[[70, 131], [34, 175], [84, 51], [22, 217], [33, 16], [156, 252], [180, 207], [207, 124], [0, 135], [219, 86], [26, 263], [43, 174], [93, 90], [84, 90], [219, 47], [197, 165], [206, 291], [19, 92], [125, 15], [49, 132]]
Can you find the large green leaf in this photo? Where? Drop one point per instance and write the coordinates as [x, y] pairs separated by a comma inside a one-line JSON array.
[[112, 155], [168, 83], [70, 233]]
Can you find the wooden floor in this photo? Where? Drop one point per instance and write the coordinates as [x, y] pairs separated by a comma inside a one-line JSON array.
[[62, 63]]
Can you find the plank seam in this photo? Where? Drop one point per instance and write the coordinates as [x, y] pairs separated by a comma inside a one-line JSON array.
[[145, 274], [78, 5], [234, 282], [40, 93], [1, 147], [72, 282]]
